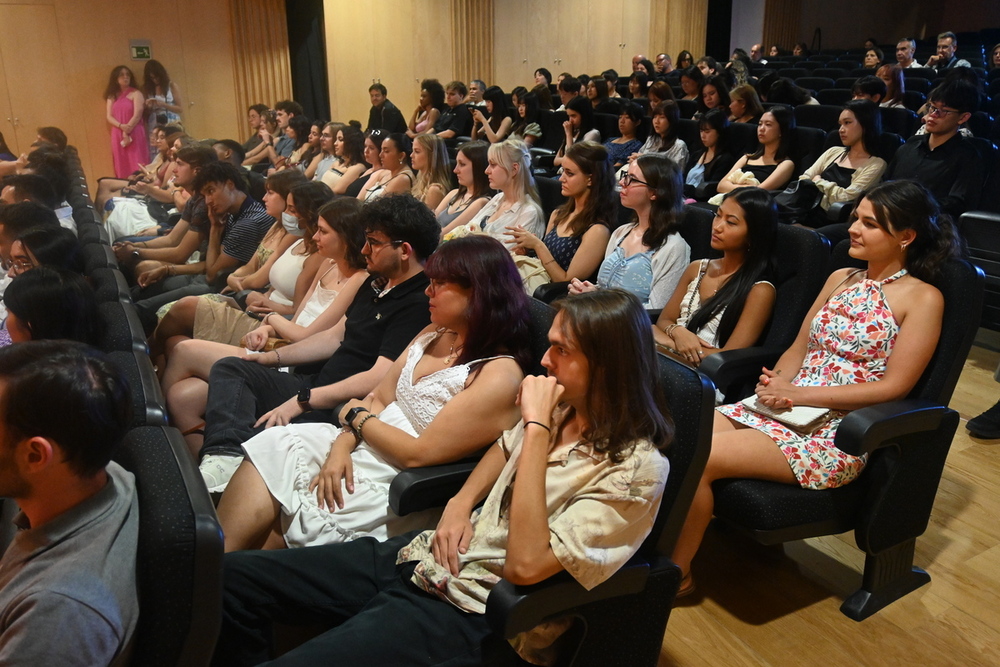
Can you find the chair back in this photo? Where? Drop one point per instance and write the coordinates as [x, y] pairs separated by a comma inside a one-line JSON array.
[[898, 120], [148, 405], [696, 229], [542, 315], [122, 327], [691, 397], [815, 82], [607, 125], [179, 557], [550, 192], [688, 108], [807, 145], [981, 231], [800, 271], [552, 129], [821, 116]]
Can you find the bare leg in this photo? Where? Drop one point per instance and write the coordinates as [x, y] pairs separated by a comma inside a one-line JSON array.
[[186, 403], [737, 451], [106, 189], [248, 513], [179, 321]]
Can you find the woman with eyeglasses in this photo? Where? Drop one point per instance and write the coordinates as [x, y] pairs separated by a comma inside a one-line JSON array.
[[451, 394], [648, 256], [55, 247], [47, 303]]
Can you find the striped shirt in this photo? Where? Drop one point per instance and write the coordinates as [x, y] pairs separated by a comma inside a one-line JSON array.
[[244, 230]]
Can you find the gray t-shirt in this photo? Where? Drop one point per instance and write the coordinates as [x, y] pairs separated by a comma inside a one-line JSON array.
[[67, 588]]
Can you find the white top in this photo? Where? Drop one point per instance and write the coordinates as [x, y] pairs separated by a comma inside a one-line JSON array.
[[525, 213], [285, 272], [678, 153]]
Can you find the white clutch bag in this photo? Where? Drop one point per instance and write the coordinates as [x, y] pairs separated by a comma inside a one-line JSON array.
[[801, 418]]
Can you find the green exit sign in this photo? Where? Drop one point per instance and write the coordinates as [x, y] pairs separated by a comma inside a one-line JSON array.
[[141, 52]]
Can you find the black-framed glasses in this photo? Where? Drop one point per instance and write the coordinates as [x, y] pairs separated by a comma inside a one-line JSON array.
[[374, 244], [628, 179]]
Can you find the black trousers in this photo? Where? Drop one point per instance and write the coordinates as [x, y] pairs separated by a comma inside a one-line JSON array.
[[377, 616]]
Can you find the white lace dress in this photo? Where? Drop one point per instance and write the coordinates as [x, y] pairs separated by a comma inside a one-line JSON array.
[[289, 457]]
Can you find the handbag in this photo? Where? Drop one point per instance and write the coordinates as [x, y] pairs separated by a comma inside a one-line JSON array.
[[796, 202], [801, 418], [533, 273]]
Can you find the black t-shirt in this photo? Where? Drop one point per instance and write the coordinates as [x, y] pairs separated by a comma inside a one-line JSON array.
[[457, 119], [378, 326], [953, 171]]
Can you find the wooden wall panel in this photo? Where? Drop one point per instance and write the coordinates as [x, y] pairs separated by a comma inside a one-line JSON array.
[[677, 25], [260, 53], [781, 23]]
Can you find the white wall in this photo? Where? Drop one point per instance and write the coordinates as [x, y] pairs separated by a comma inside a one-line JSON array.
[[747, 24]]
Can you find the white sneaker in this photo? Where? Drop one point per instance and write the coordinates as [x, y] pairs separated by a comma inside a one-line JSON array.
[[217, 470]]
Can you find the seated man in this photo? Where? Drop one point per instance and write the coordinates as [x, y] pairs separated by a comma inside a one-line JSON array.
[[906, 51], [67, 581], [942, 160], [285, 110], [379, 325], [237, 223], [869, 88], [383, 115], [568, 88], [255, 116], [664, 65], [945, 57], [476, 89], [572, 487], [455, 121], [28, 187], [230, 150]]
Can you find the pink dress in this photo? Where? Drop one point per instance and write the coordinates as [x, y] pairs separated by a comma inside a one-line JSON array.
[[850, 340], [127, 159]]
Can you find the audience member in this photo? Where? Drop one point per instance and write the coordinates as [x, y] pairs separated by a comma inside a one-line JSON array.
[[873, 58], [255, 119], [895, 87], [992, 62], [372, 157], [784, 91], [568, 89], [628, 142], [526, 127], [945, 57], [638, 85], [708, 66], [744, 105], [476, 89], [436, 599], [48, 303], [163, 99], [684, 60], [383, 115], [28, 187], [869, 88], [284, 111], [55, 247], [455, 120], [516, 201], [324, 157], [69, 575], [495, 124], [757, 54], [725, 303], [430, 161], [462, 204], [267, 132], [663, 64], [545, 96], [611, 76], [124, 106], [16, 219], [543, 77], [395, 177], [691, 80], [349, 161], [636, 60], [648, 256], [599, 97], [578, 126], [770, 166], [906, 50], [54, 136], [663, 139], [714, 94], [429, 106], [713, 162]]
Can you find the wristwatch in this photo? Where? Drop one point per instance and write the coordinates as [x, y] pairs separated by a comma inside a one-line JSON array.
[[352, 415], [303, 399]]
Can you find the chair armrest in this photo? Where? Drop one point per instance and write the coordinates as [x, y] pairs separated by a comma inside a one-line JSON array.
[[422, 488], [514, 609], [549, 292], [538, 152], [706, 191], [731, 366], [865, 430], [839, 211]]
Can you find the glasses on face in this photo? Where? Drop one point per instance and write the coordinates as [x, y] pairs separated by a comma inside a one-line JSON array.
[[375, 244], [628, 179], [940, 111], [19, 266]]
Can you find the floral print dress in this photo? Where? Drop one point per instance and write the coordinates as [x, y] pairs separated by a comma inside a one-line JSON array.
[[850, 340]]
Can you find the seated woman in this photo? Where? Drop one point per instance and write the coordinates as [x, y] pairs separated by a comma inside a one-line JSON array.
[[714, 94], [769, 166], [638, 85], [430, 161], [600, 99], [659, 92], [783, 91], [586, 515], [578, 126], [648, 256], [691, 80], [298, 130], [289, 270], [713, 162], [684, 60], [462, 204], [578, 231], [54, 247], [844, 173], [544, 97], [395, 176], [349, 162], [303, 155], [154, 172], [48, 304], [324, 157], [451, 394], [428, 108], [526, 127], [372, 156], [516, 202], [873, 58], [268, 132], [725, 304], [866, 340], [339, 239], [663, 140], [494, 125], [744, 105], [630, 125], [895, 86]]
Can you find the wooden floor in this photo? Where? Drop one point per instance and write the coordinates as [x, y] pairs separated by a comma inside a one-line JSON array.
[[780, 605]]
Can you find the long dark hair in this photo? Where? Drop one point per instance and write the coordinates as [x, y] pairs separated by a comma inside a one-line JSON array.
[[599, 208], [582, 106], [721, 87], [786, 123], [354, 145], [761, 216], [301, 126], [476, 152], [718, 120], [530, 101], [666, 181], [111, 92], [498, 308], [909, 205], [309, 198], [55, 247], [624, 401], [672, 113], [154, 69], [55, 304], [501, 106], [869, 118], [343, 215]]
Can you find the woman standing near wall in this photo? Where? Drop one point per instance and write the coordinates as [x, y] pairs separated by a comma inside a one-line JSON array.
[[124, 115]]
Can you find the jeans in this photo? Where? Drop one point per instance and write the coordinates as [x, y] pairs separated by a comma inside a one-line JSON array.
[[239, 392], [377, 616]]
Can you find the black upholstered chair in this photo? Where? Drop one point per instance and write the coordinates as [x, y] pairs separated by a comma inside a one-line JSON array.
[[88, 231], [981, 231], [98, 256], [123, 329], [834, 96], [907, 441], [821, 116], [803, 257], [622, 621], [109, 285], [550, 192], [898, 120], [179, 557], [148, 406]]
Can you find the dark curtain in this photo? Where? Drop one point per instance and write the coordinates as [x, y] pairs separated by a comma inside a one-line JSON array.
[[720, 18], [307, 56]]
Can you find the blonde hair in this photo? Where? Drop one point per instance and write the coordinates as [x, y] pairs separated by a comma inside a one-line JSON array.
[[438, 167], [509, 152]]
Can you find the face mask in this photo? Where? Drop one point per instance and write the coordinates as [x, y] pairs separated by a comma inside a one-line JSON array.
[[291, 224]]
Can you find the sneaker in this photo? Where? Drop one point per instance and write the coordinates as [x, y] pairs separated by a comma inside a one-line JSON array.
[[986, 425], [217, 470]]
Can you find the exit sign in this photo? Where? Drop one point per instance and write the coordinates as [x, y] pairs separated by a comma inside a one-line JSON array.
[[141, 50]]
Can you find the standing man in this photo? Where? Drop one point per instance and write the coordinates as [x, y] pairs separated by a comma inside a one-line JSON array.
[[945, 57], [906, 51], [67, 581], [383, 115]]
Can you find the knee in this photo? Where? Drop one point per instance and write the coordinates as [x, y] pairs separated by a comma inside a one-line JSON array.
[[227, 369]]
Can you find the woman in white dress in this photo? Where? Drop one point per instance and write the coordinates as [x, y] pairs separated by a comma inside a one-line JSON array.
[[450, 395]]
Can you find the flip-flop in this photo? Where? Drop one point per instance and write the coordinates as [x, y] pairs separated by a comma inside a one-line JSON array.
[[687, 586]]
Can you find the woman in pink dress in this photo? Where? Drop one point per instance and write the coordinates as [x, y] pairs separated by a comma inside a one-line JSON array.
[[124, 113]]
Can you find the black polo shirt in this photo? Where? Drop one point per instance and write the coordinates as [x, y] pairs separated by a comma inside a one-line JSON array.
[[378, 326], [953, 171], [457, 119]]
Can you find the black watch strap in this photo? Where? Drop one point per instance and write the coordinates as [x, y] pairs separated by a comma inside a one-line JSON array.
[[305, 393]]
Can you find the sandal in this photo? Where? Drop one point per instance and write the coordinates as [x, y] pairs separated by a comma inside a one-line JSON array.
[[686, 588]]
